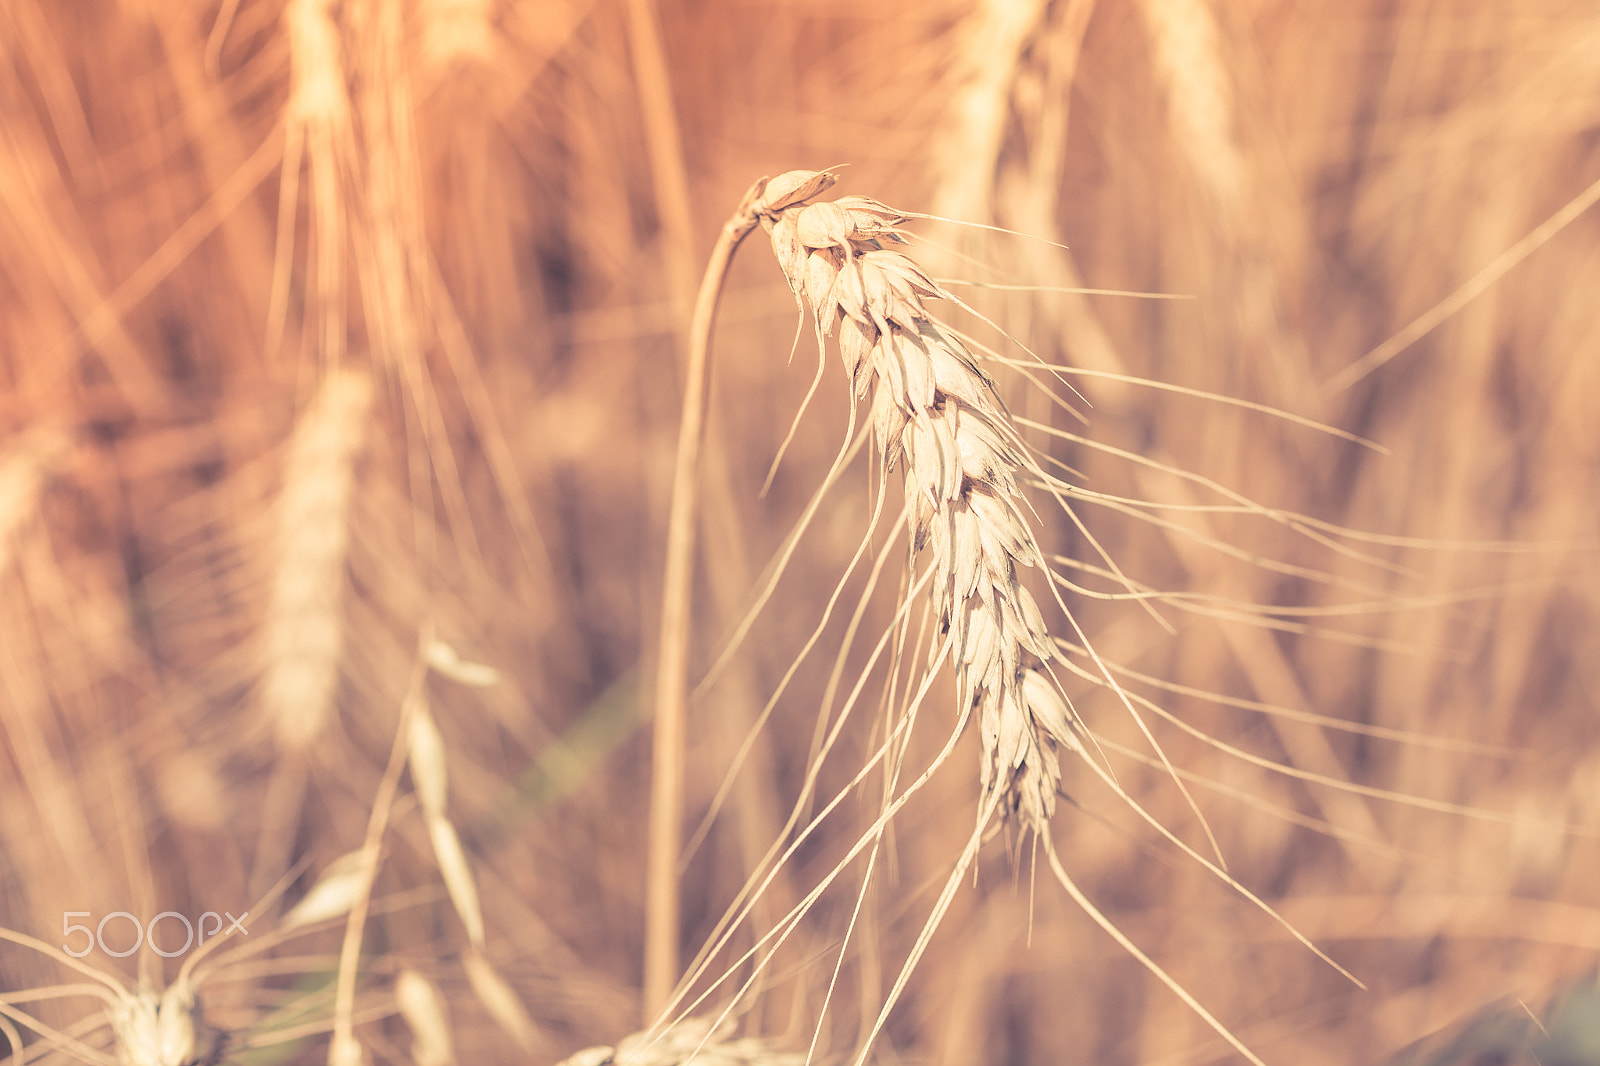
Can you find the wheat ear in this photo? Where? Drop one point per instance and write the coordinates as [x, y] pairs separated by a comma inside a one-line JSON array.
[[935, 413], [303, 636]]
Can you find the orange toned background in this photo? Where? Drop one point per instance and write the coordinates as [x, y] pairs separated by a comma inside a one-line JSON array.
[[487, 215]]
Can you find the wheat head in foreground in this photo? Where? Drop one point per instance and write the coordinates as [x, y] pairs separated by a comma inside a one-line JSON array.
[[934, 414], [934, 411]]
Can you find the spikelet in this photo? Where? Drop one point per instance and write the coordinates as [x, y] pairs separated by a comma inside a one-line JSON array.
[[455, 32], [444, 659], [935, 413], [500, 1000], [318, 128], [192, 789], [341, 884], [26, 461], [457, 875], [316, 82], [346, 1050], [303, 634], [159, 1028], [424, 1012], [1187, 49], [426, 755]]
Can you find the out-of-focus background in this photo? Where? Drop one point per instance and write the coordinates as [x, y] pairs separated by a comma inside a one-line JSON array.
[[326, 325]]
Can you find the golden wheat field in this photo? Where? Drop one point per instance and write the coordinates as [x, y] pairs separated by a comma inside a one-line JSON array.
[[1197, 664]]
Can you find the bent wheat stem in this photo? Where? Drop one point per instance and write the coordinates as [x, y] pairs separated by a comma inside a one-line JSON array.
[[672, 655]]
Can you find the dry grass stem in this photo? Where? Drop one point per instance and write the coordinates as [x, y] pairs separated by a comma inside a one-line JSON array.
[[672, 663]]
